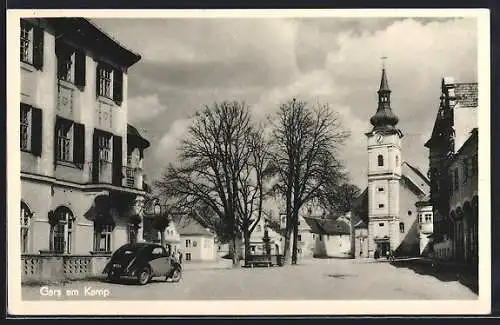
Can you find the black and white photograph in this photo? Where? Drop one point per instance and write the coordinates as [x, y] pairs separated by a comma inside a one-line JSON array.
[[248, 162]]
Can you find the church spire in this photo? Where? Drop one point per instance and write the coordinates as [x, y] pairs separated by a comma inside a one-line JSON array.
[[384, 118]]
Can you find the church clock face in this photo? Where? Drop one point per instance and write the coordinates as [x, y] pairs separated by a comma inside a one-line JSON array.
[[379, 138]]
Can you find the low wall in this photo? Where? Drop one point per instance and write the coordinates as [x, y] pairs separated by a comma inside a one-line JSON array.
[[443, 250], [48, 268]]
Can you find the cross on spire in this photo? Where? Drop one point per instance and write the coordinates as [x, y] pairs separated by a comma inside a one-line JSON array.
[[383, 58]]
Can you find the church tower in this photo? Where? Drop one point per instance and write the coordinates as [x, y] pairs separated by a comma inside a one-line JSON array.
[[384, 174]]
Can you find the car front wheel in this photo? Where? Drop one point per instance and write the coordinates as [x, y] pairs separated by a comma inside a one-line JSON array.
[[144, 276], [176, 275]]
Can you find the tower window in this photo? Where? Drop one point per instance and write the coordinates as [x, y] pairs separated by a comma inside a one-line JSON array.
[[381, 224], [380, 205], [380, 160], [380, 189], [409, 212], [401, 227]]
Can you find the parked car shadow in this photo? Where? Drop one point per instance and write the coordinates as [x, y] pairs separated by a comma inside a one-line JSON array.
[[442, 272]]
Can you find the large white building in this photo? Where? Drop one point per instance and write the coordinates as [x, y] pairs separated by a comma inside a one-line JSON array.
[[81, 162]]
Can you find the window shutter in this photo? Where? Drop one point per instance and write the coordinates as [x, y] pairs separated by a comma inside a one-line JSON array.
[[37, 47], [95, 157], [80, 68], [117, 86], [117, 160], [36, 131], [97, 80], [79, 143]]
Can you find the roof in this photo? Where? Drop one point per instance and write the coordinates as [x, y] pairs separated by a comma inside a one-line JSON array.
[[86, 33], [328, 226], [384, 85], [418, 172], [134, 135], [187, 225]]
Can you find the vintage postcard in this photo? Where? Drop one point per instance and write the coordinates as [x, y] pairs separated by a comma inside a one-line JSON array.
[[248, 162]]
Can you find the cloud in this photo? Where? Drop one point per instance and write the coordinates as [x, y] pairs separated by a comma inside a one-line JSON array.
[[188, 63], [166, 150], [142, 108]]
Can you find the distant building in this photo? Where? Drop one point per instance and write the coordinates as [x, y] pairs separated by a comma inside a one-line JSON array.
[[453, 170], [81, 162], [425, 224], [332, 238], [197, 243], [394, 186]]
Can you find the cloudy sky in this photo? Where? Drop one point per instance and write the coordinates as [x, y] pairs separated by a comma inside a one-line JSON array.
[[187, 63]]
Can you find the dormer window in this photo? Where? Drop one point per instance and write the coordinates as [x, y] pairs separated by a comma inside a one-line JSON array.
[[380, 160]]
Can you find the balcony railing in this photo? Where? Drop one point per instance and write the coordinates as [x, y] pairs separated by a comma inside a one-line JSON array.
[[132, 177]]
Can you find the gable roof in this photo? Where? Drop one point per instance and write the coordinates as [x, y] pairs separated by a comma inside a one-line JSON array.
[[328, 226], [187, 225], [417, 180]]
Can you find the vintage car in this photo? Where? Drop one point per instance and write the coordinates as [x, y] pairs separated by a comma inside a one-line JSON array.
[[143, 261]]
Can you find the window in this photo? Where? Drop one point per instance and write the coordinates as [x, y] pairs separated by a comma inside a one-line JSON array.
[[158, 252], [25, 128], [428, 217], [380, 160], [103, 236], [195, 243], [188, 256], [104, 143], [105, 81], [25, 226], [456, 178], [188, 244], [409, 212], [401, 227], [381, 224], [65, 63], [62, 230], [26, 43], [420, 218], [397, 161], [380, 189], [64, 140], [299, 238], [380, 206], [466, 170]]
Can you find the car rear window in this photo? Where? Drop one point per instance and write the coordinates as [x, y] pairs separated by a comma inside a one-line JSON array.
[[128, 250]]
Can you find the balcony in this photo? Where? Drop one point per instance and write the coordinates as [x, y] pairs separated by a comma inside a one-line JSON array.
[[132, 177], [65, 95]]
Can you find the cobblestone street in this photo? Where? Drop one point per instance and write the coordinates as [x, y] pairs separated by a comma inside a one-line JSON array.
[[325, 279]]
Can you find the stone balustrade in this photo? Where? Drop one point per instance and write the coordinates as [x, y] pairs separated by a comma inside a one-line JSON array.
[[52, 267]]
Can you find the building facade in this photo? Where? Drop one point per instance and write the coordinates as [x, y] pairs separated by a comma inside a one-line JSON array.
[[197, 243], [453, 170], [393, 185], [425, 224], [332, 238], [81, 162]]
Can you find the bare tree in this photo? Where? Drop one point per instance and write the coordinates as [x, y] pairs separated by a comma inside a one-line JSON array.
[[251, 186], [339, 198], [305, 142], [211, 159]]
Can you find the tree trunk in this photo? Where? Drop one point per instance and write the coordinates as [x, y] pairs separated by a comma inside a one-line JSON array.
[[247, 246], [162, 238], [236, 251], [288, 231], [295, 235]]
